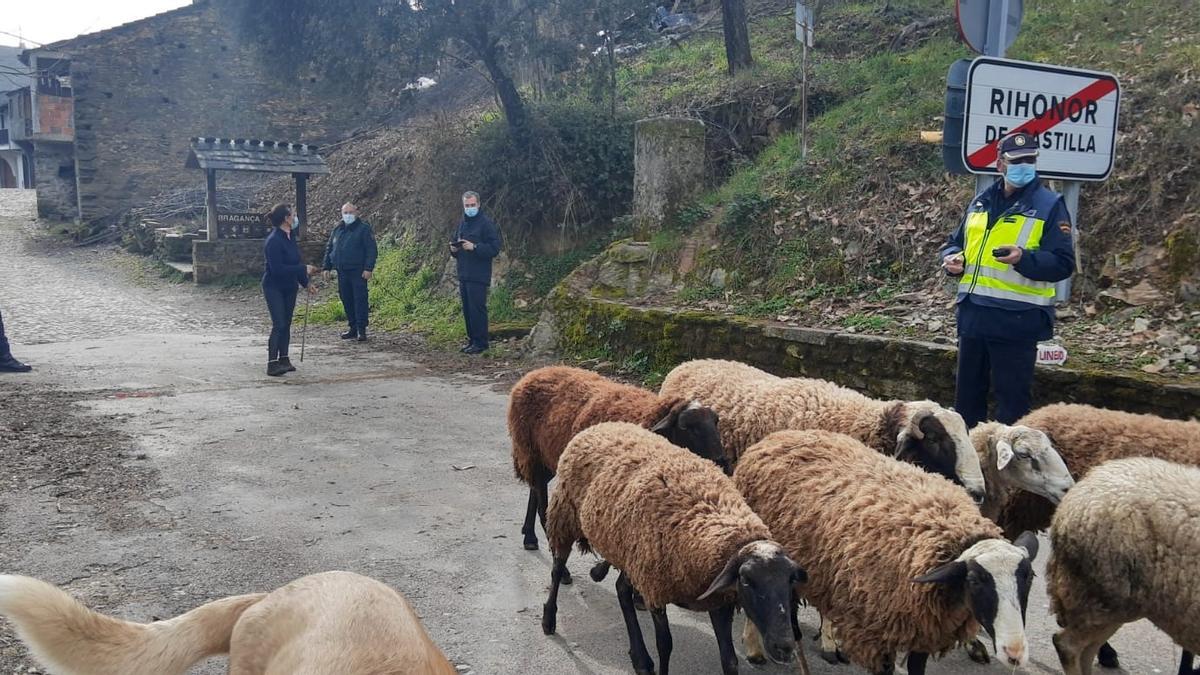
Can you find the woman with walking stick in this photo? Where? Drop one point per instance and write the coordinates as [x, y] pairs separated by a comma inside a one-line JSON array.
[[285, 275]]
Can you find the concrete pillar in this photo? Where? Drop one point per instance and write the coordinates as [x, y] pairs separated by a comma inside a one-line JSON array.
[[668, 169]]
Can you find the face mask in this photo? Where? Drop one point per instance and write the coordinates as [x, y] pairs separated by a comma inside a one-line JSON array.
[[347, 218], [471, 211], [295, 222], [1020, 175]]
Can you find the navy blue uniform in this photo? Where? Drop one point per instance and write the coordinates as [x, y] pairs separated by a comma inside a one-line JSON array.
[[475, 273], [351, 251], [997, 337], [284, 274]]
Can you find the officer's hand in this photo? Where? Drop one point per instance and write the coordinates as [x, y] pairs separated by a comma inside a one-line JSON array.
[[953, 264], [468, 246], [367, 275], [1013, 257], [313, 269]]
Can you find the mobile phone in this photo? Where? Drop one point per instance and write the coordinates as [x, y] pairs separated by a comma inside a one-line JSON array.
[[1001, 252]]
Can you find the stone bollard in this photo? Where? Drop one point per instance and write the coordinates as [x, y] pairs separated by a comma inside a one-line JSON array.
[[668, 169]]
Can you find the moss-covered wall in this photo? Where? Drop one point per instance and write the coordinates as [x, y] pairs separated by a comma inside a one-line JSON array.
[[655, 340]]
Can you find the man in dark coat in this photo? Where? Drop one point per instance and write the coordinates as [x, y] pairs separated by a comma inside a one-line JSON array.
[[352, 252], [475, 243], [8, 363]]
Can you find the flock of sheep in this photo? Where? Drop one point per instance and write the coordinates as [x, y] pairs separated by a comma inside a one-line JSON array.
[[734, 489]]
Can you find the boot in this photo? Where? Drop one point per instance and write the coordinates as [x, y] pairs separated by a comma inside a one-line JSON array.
[[8, 364], [287, 364], [362, 334], [350, 334], [275, 369]]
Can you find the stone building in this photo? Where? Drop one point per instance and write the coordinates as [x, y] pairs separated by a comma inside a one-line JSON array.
[[113, 111], [16, 152]]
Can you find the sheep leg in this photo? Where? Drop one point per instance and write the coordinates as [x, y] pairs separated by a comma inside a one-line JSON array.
[[662, 639], [889, 665], [722, 623], [531, 512], [752, 643], [978, 652], [1187, 664], [1108, 656], [829, 646], [642, 663], [916, 663], [1077, 647], [550, 609], [541, 486]]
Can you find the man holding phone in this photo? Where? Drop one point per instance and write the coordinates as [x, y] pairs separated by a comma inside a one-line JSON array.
[[1012, 246], [475, 242]]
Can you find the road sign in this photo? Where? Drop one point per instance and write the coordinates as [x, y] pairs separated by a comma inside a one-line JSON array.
[[979, 20], [1072, 112], [805, 18]]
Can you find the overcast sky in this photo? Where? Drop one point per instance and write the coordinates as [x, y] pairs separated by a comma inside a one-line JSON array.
[[45, 21]]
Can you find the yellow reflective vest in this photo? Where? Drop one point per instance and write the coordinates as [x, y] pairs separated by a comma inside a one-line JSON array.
[[982, 274]]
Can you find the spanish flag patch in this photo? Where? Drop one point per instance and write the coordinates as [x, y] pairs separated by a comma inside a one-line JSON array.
[[1065, 227]]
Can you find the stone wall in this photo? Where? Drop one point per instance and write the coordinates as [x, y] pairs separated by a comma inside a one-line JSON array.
[[655, 340], [668, 168], [142, 90], [54, 179], [214, 261]]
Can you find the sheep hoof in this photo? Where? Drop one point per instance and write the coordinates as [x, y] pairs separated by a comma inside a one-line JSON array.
[[599, 571], [978, 653], [832, 658], [549, 622], [842, 657], [1108, 657], [531, 544], [566, 578], [756, 659]]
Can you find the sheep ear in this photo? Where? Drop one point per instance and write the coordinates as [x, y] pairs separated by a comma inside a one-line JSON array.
[[726, 578], [951, 573], [1029, 542], [671, 418], [1004, 454]]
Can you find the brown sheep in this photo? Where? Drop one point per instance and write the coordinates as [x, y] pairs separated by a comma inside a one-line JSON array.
[[753, 403], [1126, 546], [899, 559], [1087, 437], [548, 406], [333, 622], [678, 530]]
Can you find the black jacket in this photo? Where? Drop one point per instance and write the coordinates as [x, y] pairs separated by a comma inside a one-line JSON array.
[[476, 266], [351, 247], [284, 266]]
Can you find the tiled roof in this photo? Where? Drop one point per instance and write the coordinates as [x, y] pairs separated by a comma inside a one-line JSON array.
[[240, 154]]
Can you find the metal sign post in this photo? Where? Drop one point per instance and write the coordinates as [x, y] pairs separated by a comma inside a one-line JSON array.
[[805, 18]]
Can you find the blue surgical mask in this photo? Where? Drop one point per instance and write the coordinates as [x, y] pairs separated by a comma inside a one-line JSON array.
[[1020, 175], [471, 211], [295, 222], [347, 218]]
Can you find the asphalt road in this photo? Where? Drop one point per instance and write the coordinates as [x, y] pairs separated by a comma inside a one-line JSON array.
[[367, 459]]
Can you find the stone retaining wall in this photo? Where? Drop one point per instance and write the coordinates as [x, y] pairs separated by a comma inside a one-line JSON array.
[[655, 340]]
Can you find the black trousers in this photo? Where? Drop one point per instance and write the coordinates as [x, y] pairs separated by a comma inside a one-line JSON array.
[[4, 348], [1002, 365], [352, 289], [474, 304], [282, 305]]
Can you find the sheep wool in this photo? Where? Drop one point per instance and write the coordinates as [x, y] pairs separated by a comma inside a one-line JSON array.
[[664, 516], [1126, 545], [753, 403], [548, 406], [864, 526], [1087, 437]]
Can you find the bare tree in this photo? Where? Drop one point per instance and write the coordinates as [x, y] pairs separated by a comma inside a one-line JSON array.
[[737, 35]]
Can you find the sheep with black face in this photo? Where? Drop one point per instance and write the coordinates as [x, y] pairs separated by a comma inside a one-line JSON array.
[[753, 403], [677, 529], [898, 559]]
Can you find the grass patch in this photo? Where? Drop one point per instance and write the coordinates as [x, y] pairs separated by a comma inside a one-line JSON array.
[[867, 322]]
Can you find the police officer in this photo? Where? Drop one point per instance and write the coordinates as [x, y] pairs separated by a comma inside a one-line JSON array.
[[9, 363], [475, 243], [1013, 245], [352, 252]]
